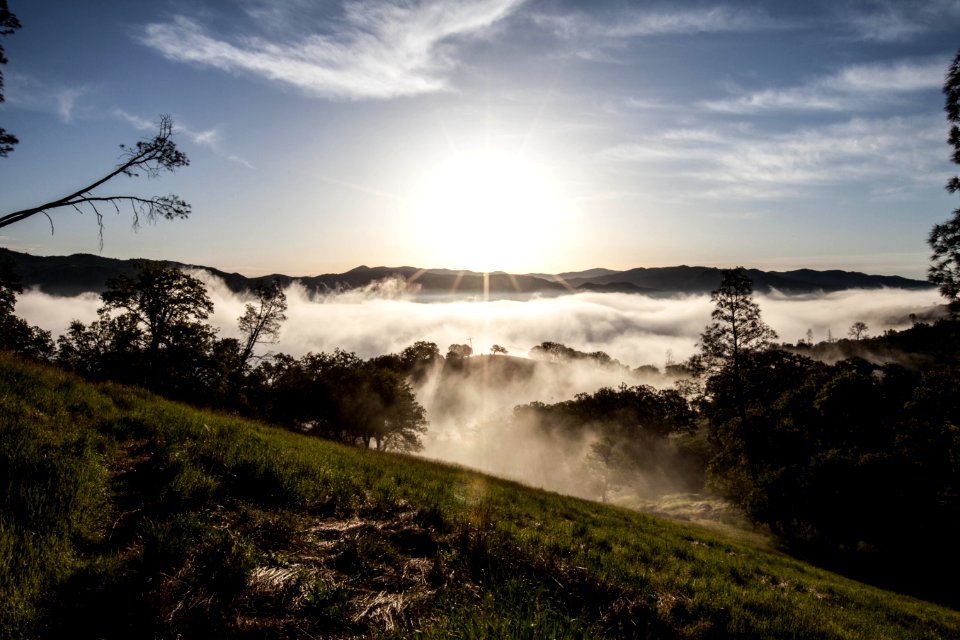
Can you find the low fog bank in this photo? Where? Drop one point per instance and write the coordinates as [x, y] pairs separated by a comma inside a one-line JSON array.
[[632, 328], [471, 410]]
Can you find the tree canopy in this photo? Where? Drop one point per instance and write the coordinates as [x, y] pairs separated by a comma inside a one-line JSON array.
[[8, 24], [944, 238]]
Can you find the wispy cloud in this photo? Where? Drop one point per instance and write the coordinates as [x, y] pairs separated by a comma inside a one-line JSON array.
[[738, 163], [900, 21], [635, 23], [855, 87], [66, 100], [27, 92], [378, 51], [209, 138]]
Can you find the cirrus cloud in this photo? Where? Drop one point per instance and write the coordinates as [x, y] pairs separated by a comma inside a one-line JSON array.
[[378, 51]]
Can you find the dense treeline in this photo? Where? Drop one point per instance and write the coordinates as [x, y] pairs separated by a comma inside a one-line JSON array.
[[855, 463], [151, 332]]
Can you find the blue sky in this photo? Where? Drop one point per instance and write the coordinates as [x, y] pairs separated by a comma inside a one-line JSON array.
[[526, 136]]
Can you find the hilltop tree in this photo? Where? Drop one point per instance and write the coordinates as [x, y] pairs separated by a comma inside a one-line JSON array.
[[944, 238], [495, 349], [736, 328], [149, 156], [417, 359], [858, 330], [8, 24], [459, 351]]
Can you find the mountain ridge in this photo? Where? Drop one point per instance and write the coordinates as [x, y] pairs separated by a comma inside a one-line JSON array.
[[84, 272]]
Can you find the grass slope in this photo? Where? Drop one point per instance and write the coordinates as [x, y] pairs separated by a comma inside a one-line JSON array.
[[123, 515]]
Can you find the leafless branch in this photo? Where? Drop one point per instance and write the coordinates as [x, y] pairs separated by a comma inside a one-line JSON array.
[[151, 157]]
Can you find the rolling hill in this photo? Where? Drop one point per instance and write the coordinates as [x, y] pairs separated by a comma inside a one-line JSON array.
[[125, 515]]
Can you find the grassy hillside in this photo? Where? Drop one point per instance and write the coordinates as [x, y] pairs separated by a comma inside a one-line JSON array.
[[122, 515]]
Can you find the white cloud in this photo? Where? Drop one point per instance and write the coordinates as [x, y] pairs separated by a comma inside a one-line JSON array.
[[855, 87], [136, 121], [27, 92], [902, 20], [632, 328], [66, 100], [637, 23], [379, 50], [738, 163]]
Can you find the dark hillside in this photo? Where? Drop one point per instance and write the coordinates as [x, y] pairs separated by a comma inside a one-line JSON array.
[[686, 279], [922, 346], [124, 516]]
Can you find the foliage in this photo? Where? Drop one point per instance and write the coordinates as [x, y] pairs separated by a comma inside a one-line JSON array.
[[853, 463], [944, 238], [151, 332], [340, 397], [160, 302], [16, 335], [417, 359], [8, 24], [456, 352], [737, 328], [634, 433], [557, 352]]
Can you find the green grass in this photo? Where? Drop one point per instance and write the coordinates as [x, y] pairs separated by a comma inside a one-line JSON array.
[[123, 515]]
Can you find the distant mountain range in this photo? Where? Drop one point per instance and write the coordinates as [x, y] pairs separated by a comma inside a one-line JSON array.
[[78, 273]]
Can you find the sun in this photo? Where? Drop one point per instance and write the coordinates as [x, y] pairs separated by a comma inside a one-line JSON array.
[[488, 210]]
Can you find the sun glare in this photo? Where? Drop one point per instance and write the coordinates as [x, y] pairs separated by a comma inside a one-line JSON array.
[[490, 211]]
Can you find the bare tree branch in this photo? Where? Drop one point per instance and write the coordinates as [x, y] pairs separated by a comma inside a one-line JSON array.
[[149, 156]]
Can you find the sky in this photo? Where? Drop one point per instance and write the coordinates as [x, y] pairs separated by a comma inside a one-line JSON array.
[[526, 136]]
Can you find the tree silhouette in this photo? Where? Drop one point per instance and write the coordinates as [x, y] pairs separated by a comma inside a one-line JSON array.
[[945, 238], [260, 323], [161, 301], [459, 351], [737, 331], [149, 156], [495, 349], [736, 328], [858, 330], [8, 24], [16, 334]]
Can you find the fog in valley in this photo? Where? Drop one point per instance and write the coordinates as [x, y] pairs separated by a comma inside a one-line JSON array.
[[470, 408]]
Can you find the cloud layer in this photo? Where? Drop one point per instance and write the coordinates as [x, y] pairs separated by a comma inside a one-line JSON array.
[[852, 88], [632, 328], [739, 162]]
